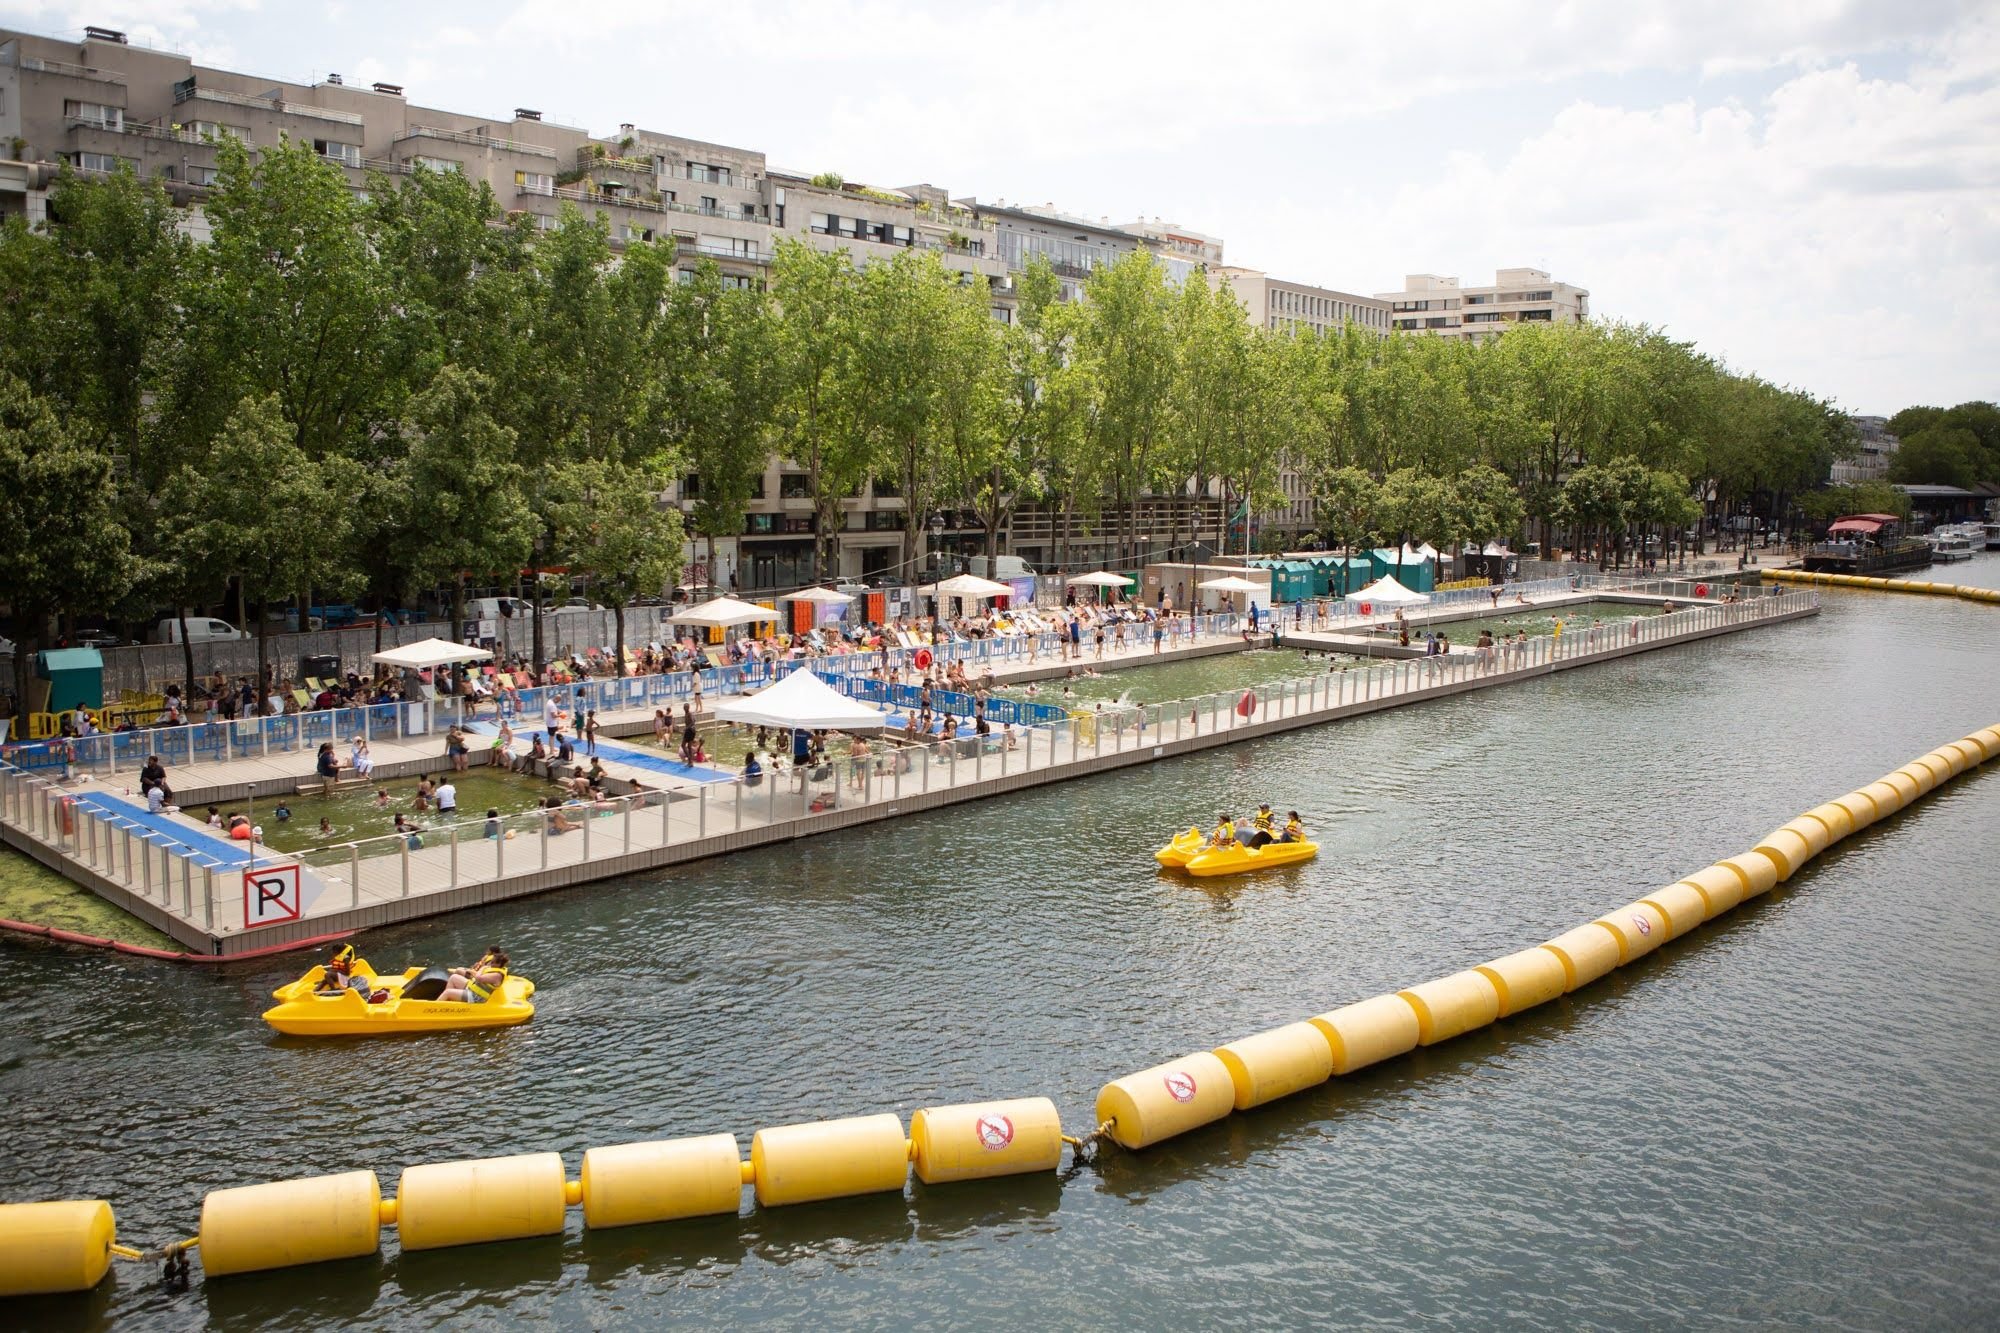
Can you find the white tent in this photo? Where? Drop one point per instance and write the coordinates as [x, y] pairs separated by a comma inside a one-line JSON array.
[[1385, 591], [968, 585], [1233, 583], [429, 653], [1424, 552], [800, 700], [723, 611], [826, 595], [1495, 548], [1101, 579]]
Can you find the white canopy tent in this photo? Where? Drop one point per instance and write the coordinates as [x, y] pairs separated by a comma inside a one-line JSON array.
[[1385, 591], [1101, 578], [968, 585], [826, 596], [724, 612], [801, 700], [427, 653], [1233, 583]]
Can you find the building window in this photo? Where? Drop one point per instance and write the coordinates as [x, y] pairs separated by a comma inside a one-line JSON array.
[[825, 224], [95, 113], [1437, 322], [534, 182], [749, 210], [1407, 324], [347, 154], [215, 130], [1479, 300], [441, 165], [104, 162], [1489, 317], [794, 486], [1538, 296], [1543, 315], [203, 175]]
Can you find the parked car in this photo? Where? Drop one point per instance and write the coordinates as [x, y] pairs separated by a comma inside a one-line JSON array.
[[97, 638], [201, 629], [499, 608]]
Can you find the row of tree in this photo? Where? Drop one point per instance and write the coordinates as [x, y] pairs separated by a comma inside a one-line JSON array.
[[365, 396], [1947, 446]]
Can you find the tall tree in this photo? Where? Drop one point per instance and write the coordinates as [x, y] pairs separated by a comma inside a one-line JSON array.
[[619, 534], [264, 509], [817, 426], [1126, 344], [66, 548]]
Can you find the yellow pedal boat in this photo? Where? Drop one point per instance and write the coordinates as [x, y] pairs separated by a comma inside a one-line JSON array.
[[1184, 848], [1235, 859], [304, 1011]]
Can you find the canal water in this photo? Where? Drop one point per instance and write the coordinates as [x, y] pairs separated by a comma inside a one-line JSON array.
[[1788, 1117]]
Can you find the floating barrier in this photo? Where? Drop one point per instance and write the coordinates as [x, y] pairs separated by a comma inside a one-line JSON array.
[[1986, 595], [67, 1246]]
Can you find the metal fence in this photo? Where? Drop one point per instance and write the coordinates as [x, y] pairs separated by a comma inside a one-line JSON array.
[[441, 858]]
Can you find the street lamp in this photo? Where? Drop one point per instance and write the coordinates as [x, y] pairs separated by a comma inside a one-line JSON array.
[[937, 544]]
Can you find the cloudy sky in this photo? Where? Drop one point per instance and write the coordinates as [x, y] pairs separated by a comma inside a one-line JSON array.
[[1807, 188]]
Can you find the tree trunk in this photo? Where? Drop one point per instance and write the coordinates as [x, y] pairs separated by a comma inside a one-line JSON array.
[[457, 624], [535, 605], [618, 639], [187, 659], [263, 659]]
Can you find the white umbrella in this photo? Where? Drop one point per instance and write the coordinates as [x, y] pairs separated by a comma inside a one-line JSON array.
[[1102, 579], [1388, 592], [430, 653], [801, 700], [1232, 583], [826, 595], [968, 585], [722, 611]]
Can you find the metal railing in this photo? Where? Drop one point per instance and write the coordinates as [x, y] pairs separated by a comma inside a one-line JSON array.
[[273, 104], [872, 773], [476, 140]]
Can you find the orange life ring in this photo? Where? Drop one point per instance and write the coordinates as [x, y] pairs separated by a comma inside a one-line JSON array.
[[923, 659], [1247, 705], [1368, 608], [1701, 590], [68, 807]]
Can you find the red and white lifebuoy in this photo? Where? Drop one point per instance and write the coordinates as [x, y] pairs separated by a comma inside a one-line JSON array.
[[923, 659], [1701, 590]]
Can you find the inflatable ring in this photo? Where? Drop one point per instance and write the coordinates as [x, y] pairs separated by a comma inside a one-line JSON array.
[[1701, 590], [922, 659]]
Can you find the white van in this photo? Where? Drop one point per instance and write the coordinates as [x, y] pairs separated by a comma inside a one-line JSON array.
[[1004, 567], [498, 608], [201, 629]]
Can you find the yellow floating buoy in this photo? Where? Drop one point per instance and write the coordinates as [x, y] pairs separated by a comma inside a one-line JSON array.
[[1158, 1103], [981, 1140], [1525, 979], [664, 1180], [1452, 1006], [1368, 1031], [1278, 1063], [47, 1248], [829, 1159], [287, 1222], [470, 1202]]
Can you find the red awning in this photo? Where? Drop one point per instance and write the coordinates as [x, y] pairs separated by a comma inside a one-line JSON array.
[[1862, 523]]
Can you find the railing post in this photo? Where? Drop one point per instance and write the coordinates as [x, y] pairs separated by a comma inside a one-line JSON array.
[[700, 812], [208, 897], [187, 887], [588, 812], [146, 870], [454, 856], [545, 838], [354, 874], [403, 847]]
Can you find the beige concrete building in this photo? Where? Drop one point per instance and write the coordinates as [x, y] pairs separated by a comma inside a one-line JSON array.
[[1431, 303], [1281, 304], [1871, 461]]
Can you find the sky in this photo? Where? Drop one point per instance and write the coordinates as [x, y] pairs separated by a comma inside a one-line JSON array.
[[1807, 189]]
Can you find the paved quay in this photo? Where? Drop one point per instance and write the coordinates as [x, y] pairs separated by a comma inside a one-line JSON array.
[[362, 885]]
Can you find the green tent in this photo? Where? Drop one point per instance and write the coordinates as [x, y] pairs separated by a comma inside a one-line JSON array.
[[75, 676]]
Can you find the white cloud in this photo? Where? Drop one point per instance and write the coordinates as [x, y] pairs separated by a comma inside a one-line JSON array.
[[1806, 185]]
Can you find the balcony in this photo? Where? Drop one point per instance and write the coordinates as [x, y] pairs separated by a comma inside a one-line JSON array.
[[142, 131], [67, 70], [188, 91], [476, 140]]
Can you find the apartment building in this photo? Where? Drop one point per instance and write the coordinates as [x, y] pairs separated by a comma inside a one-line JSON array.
[[1281, 304], [1431, 303], [1877, 446]]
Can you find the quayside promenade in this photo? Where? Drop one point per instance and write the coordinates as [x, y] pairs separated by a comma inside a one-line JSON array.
[[192, 885]]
